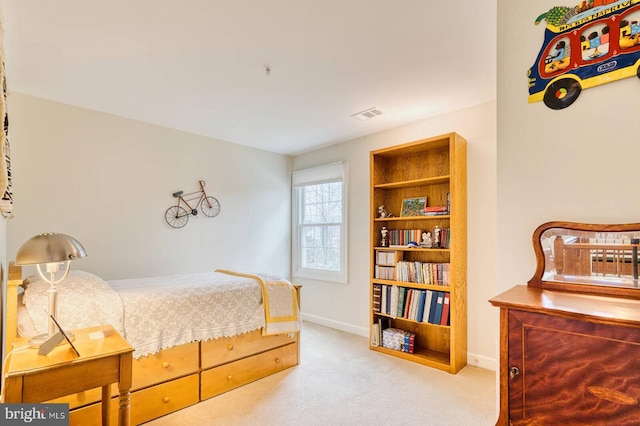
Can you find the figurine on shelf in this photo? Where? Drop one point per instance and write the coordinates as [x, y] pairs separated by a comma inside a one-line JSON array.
[[436, 233], [383, 212], [383, 240], [426, 240]]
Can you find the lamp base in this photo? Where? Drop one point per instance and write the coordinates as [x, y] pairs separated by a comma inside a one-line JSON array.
[[37, 341]]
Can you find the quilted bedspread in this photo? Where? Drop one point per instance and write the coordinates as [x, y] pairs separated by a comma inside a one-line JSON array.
[[155, 313]]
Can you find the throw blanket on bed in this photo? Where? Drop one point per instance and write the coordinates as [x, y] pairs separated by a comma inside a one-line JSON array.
[[280, 302]]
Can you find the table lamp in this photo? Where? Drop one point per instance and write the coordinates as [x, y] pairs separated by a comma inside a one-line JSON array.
[[50, 249]]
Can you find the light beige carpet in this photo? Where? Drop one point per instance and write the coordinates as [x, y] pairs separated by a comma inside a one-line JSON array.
[[341, 382]]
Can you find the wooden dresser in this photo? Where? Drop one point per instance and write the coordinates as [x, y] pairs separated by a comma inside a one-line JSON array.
[[569, 344]]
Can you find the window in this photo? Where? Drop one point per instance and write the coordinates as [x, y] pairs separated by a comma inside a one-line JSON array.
[[319, 223]]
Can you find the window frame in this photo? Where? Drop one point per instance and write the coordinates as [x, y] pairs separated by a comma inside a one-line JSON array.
[[328, 173]]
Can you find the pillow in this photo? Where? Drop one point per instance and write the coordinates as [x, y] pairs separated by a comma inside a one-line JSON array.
[[84, 300]]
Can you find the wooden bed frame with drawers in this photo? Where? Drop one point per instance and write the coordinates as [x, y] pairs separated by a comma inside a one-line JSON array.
[[180, 376]]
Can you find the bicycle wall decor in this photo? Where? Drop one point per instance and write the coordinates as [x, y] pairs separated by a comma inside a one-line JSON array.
[[178, 216]]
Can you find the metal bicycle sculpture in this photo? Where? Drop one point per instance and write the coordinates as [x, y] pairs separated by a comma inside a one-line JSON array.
[[178, 216]]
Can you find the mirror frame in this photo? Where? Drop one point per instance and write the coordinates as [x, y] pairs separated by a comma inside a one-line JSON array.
[[578, 286]]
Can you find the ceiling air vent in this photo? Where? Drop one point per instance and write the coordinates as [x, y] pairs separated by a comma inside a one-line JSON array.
[[367, 114]]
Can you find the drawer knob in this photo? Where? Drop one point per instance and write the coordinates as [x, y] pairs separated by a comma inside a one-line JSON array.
[[165, 364], [230, 346], [278, 361], [230, 377], [513, 372], [165, 399]]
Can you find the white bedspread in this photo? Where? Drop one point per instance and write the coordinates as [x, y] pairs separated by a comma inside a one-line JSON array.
[[84, 300], [172, 310], [154, 313]]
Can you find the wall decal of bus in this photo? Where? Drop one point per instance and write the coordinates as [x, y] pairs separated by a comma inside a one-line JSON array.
[[594, 43]]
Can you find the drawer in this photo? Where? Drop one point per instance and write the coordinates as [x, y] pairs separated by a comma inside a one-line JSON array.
[[146, 404], [84, 398], [91, 415], [156, 401], [165, 365], [157, 368], [227, 349], [237, 373]]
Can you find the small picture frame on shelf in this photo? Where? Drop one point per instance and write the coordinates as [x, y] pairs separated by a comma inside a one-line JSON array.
[[413, 206]]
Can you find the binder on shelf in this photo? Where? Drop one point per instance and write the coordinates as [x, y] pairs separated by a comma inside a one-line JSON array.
[[444, 320], [393, 307], [415, 299], [401, 301], [407, 307], [383, 299], [432, 309], [439, 304], [423, 297], [427, 306]]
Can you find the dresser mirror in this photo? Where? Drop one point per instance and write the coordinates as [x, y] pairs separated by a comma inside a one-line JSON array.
[[587, 257]]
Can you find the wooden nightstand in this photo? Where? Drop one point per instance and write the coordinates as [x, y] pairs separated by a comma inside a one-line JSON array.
[[102, 361]]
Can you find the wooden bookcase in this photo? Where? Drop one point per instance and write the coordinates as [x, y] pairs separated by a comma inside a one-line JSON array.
[[434, 168]]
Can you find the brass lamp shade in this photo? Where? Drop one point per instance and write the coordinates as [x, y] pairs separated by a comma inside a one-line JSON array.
[[49, 248]]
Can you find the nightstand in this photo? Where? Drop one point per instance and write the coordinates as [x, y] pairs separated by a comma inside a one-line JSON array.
[[103, 361]]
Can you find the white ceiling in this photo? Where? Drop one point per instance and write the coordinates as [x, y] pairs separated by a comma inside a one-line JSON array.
[[199, 65]]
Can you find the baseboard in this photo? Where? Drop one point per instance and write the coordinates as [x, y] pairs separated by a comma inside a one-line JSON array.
[[481, 361], [472, 359], [342, 326]]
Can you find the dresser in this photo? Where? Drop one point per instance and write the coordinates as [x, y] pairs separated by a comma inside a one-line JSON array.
[[570, 344]]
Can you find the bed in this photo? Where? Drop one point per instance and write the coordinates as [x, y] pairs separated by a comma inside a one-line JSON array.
[[194, 336]]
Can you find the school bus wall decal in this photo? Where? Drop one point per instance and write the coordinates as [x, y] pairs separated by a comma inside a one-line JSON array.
[[593, 43]]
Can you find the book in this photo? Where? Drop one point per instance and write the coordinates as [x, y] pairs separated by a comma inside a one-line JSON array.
[[393, 305], [415, 301], [383, 298], [432, 308], [444, 320], [439, 303], [407, 306], [402, 291], [427, 306], [405, 346], [375, 334], [393, 338], [412, 344], [421, 300], [377, 297]]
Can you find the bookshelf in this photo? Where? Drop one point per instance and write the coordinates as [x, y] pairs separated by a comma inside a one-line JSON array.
[[434, 168]]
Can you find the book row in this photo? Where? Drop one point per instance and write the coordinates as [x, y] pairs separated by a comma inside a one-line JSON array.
[[402, 237], [386, 257], [439, 238], [429, 306], [393, 338], [415, 272]]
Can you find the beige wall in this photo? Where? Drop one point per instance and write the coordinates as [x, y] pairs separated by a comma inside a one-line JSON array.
[[346, 306], [107, 181], [576, 164]]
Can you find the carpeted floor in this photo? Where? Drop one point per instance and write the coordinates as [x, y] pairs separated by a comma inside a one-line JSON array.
[[341, 382]]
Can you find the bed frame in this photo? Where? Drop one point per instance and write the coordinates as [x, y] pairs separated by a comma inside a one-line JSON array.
[[177, 377]]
